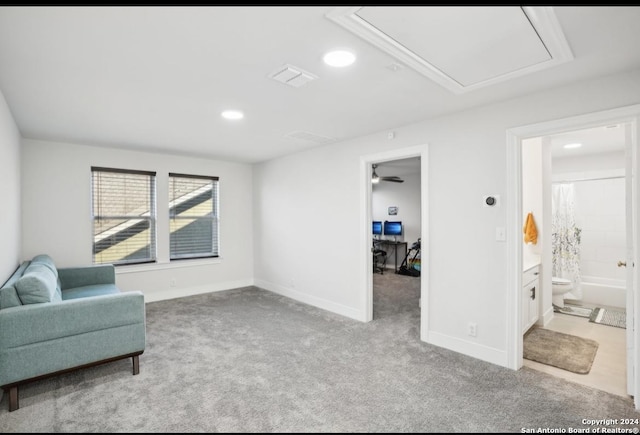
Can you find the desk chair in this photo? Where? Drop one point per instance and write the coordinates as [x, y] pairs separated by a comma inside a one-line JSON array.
[[379, 259]]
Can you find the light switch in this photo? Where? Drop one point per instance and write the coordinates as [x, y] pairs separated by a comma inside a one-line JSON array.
[[501, 234]]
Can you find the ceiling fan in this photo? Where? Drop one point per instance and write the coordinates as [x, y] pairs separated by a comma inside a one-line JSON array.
[[375, 178]]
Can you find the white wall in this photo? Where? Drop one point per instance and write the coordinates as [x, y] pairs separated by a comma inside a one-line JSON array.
[[9, 192], [56, 200], [600, 213], [588, 165], [546, 286], [532, 197], [307, 231], [536, 193], [405, 196]]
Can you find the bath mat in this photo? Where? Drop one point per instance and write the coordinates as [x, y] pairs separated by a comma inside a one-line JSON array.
[[574, 310], [557, 349], [605, 316]]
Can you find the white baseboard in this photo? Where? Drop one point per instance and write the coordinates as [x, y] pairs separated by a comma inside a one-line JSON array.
[[546, 317], [475, 350], [173, 293], [311, 300]]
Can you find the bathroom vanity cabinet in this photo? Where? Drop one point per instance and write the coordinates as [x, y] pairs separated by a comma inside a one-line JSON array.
[[530, 294]]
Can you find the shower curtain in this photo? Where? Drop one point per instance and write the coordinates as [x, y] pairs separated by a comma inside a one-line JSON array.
[[565, 235]]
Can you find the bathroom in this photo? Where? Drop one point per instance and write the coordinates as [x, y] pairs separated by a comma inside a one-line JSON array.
[[573, 185], [589, 181]]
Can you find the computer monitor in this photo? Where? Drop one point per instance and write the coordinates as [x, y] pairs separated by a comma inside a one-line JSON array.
[[392, 228], [377, 228]]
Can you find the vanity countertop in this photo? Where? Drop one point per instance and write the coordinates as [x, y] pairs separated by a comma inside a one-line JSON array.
[[529, 265]]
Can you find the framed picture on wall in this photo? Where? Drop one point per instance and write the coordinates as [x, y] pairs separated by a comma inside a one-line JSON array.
[[393, 211]]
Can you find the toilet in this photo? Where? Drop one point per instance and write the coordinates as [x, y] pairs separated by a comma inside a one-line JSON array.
[[560, 286]]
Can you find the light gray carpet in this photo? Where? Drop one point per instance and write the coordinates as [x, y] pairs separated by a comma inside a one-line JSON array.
[[247, 360], [565, 351]]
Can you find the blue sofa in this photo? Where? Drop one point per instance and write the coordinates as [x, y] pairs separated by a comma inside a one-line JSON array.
[[56, 320]]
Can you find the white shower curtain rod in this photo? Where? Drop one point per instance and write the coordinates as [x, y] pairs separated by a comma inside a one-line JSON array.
[[587, 179]]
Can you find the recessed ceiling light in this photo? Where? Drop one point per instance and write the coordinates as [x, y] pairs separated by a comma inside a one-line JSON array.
[[339, 58], [572, 145], [232, 114]]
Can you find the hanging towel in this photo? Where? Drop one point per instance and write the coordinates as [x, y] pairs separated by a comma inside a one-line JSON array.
[[530, 230]]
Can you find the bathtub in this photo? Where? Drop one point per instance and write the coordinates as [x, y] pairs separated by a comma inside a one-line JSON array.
[[604, 291]]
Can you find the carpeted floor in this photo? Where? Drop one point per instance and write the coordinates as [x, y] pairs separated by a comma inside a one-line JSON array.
[[247, 360]]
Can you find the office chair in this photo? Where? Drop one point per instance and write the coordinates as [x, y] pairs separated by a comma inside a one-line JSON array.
[[379, 259]]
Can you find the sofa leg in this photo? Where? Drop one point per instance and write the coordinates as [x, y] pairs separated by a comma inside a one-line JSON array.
[[136, 364], [13, 398]]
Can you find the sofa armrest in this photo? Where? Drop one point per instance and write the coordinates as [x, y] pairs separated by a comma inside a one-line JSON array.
[[71, 277], [36, 323]]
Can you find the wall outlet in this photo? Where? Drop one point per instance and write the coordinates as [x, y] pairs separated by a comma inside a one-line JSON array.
[[473, 329], [172, 283]]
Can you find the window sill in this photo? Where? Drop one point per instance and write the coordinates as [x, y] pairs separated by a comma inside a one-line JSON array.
[[167, 265]]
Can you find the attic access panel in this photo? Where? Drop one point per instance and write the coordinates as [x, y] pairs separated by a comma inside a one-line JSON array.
[[462, 48]]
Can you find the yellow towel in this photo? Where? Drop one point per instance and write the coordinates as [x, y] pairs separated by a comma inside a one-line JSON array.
[[530, 230]]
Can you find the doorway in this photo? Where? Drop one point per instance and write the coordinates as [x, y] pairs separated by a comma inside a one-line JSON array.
[[366, 172], [629, 116], [395, 210], [574, 185]]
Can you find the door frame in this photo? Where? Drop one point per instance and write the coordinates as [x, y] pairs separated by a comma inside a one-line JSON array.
[[631, 228], [367, 238], [515, 136]]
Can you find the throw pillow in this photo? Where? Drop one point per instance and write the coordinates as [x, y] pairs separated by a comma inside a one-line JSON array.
[[37, 285], [47, 261]]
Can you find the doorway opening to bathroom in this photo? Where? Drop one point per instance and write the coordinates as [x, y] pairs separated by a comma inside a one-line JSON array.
[[574, 183], [517, 209], [404, 205]]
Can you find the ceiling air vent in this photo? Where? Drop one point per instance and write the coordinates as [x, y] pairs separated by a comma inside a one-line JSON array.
[[309, 137], [292, 76]]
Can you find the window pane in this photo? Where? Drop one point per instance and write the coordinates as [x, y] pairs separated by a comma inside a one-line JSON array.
[[123, 217], [191, 237], [193, 217]]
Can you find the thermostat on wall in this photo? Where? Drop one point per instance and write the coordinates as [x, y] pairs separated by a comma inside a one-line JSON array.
[[491, 201]]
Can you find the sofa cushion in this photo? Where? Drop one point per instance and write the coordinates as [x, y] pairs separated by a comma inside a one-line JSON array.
[[90, 290], [47, 261], [9, 298], [38, 284], [8, 294]]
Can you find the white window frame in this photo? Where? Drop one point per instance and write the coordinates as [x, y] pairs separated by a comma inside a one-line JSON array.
[[215, 220], [151, 217]]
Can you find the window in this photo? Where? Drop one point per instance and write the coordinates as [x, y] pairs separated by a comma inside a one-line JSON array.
[[124, 216], [193, 216]]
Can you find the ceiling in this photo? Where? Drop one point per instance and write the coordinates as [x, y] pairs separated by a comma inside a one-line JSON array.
[[399, 168], [157, 78], [596, 140]]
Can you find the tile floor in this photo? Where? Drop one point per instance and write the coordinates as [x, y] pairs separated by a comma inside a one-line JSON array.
[[609, 369]]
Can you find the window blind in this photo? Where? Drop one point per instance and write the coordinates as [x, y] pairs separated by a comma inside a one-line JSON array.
[[193, 216], [124, 216]]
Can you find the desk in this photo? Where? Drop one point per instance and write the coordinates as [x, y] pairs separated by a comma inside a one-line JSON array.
[[394, 244]]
